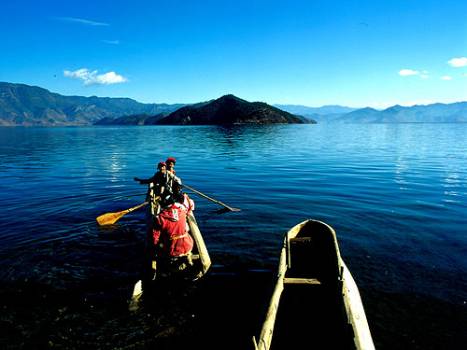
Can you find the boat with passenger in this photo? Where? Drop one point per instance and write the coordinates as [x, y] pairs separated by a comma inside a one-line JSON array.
[[191, 266]]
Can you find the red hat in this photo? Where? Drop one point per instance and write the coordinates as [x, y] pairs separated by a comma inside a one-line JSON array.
[[160, 165], [171, 159]]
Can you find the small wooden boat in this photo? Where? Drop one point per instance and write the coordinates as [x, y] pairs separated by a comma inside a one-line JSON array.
[[200, 256], [316, 303]]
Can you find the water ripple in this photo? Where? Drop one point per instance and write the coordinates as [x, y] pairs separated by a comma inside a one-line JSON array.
[[396, 198]]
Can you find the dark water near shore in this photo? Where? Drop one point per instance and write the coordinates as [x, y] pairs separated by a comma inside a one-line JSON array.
[[395, 194]]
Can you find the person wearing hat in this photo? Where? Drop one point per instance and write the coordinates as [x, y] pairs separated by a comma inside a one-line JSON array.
[[165, 183], [159, 180], [174, 182], [171, 164]]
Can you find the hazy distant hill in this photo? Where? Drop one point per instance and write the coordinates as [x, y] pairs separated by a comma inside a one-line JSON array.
[[30, 105], [434, 113], [324, 110], [230, 109], [324, 114], [363, 115]]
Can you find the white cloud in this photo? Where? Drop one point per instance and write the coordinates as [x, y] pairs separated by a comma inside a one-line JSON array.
[[408, 72], [411, 72], [82, 73], [458, 62], [110, 78], [82, 21], [91, 77], [446, 77]]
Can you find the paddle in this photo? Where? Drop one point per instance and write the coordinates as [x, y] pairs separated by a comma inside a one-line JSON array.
[[211, 199], [112, 218], [204, 195]]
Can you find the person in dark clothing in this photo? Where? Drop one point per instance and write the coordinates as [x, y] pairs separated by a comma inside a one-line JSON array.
[[173, 181], [159, 180], [165, 184]]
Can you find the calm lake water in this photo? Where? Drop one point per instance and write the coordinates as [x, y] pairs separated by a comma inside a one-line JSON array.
[[395, 194]]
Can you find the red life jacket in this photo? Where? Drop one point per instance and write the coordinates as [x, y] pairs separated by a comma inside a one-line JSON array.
[[172, 230]]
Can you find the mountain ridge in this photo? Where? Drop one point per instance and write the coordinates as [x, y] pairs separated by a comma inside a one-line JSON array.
[[229, 110], [26, 105], [433, 113], [323, 110]]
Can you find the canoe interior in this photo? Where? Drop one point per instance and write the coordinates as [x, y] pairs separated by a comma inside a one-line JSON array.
[[313, 315], [313, 253]]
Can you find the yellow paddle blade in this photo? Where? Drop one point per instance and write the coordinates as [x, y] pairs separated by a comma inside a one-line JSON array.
[[110, 218]]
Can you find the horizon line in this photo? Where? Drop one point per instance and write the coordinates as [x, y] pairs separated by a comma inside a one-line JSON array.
[[378, 106]]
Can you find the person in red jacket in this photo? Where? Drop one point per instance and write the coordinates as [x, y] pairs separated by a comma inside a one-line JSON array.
[[170, 234]]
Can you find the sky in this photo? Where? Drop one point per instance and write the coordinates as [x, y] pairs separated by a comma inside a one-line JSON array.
[[311, 52]]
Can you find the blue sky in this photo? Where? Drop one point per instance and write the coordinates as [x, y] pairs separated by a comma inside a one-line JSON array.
[[354, 53]]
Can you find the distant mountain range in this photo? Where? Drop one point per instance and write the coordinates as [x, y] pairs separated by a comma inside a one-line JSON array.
[[324, 110], [30, 105], [434, 113], [26, 105]]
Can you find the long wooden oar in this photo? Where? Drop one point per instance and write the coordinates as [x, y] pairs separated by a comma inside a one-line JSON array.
[[204, 195], [112, 218], [211, 199]]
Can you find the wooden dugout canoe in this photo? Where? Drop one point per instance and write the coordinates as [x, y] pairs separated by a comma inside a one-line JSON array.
[[200, 255], [315, 303]]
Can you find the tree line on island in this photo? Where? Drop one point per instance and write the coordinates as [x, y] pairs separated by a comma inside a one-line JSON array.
[[25, 105]]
